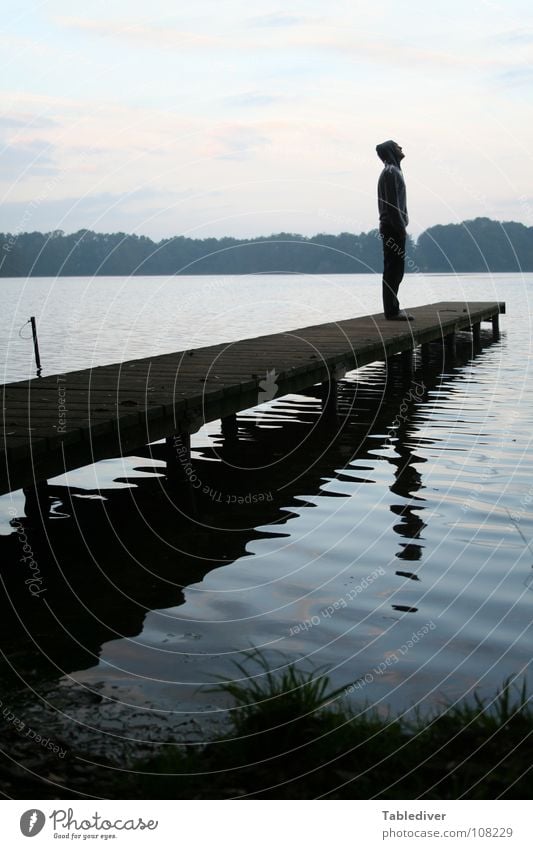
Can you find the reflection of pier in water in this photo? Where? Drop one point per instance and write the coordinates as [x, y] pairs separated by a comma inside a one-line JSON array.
[[112, 560]]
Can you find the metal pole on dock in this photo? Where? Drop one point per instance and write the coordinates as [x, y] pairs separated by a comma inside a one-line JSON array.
[[36, 345]]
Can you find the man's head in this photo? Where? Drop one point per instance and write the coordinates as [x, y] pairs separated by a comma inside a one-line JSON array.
[[390, 152]]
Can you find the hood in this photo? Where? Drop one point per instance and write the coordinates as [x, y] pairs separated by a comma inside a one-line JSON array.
[[387, 153]]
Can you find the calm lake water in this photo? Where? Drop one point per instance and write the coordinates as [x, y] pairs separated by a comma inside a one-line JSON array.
[[392, 546]]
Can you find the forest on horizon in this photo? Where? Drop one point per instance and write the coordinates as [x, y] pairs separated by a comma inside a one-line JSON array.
[[481, 245]]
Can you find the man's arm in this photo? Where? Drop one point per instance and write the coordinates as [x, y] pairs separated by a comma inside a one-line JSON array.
[[391, 198]]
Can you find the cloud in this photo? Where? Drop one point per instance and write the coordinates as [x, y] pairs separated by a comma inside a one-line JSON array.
[[276, 19], [96, 129], [518, 76], [26, 159], [513, 37], [253, 99], [103, 211], [20, 44], [234, 141], [387, 51], [295, 34], [10, 122], [144, 34]]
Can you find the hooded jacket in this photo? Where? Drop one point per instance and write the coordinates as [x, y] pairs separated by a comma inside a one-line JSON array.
[[392, 199]]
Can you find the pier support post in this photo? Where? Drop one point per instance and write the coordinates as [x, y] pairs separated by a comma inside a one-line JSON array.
[[476, 336], [37, 504], [406, 359], [329, 397], [450, 345], [496, 326], [229, 427], [180, 473], [178, 456]]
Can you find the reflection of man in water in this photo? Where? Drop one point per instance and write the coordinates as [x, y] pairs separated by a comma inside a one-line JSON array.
[[393, 220]]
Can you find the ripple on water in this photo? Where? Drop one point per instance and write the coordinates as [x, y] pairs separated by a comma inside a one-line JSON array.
[[397, 553]]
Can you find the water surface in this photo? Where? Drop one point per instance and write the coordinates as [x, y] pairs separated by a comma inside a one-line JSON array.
[[390, 545]]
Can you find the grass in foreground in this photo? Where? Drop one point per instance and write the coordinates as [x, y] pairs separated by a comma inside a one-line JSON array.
[[293, 737]]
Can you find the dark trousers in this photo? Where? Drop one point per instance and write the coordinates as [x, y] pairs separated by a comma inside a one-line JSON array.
[[393, 269]]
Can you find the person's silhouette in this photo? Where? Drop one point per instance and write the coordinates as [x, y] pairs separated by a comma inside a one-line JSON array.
[[393, 221]]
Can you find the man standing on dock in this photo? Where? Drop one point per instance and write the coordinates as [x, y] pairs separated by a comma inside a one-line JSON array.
[[393, 220]]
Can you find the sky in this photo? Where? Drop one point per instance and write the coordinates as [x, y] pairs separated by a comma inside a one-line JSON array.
[[246, 118]]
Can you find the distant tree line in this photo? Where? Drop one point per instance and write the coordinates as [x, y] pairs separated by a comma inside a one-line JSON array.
[[480, 245]]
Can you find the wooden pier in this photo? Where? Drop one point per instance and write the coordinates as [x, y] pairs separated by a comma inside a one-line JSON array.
[[60, 422]]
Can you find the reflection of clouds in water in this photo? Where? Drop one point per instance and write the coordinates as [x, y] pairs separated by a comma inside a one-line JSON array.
[[106, 474]]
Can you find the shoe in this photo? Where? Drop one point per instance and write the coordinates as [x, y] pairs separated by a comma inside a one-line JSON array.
[[401, 316]]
